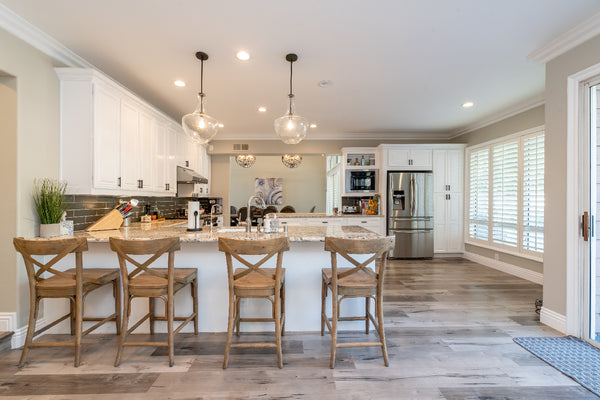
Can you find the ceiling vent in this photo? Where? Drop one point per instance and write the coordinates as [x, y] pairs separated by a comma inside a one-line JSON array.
[[241, 146]]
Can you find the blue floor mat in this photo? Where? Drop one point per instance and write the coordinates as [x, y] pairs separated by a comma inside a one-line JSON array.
[[570, 355]]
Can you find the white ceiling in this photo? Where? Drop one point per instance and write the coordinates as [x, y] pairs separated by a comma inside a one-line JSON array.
[[397, 67]]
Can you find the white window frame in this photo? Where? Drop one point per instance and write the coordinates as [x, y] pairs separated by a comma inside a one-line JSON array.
[[489, 243], [334, 169]]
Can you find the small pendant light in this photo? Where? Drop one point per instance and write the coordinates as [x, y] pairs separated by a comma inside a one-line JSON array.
[[291, 128], [199, 126], [291, 160]]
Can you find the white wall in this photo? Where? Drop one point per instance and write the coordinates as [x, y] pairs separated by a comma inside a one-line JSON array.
[[37, 155], [303, 187]]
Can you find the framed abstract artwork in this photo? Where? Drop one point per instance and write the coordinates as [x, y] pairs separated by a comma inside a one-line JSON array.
[[270, 189]]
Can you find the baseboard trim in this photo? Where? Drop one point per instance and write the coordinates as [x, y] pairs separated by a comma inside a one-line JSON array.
[[18, 338], [553, 320], [532, 276], [8, 321]]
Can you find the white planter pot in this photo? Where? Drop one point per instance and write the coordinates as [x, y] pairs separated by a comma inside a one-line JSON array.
[[50, 230]]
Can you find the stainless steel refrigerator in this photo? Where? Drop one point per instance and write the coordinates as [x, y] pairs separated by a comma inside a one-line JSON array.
[[410, 213]]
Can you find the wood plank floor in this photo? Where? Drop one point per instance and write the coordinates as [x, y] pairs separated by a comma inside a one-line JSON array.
[[449, 326]]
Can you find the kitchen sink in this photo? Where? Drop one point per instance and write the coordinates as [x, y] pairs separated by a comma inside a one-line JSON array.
[[230, 229]]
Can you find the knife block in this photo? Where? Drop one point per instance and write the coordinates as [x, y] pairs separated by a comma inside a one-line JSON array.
[[112, 220]]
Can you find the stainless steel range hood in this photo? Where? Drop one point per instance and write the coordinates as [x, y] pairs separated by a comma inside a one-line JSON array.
[[188, 175]]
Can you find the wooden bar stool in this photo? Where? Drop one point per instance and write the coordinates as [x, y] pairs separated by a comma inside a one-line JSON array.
[[153, 283], [252, 281], [357, 281], [73, 284]]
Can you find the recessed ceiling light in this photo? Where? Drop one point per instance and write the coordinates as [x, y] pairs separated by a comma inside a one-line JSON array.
[[242, 55], [468, 104], [313, 125], [179, 83], [262, 109], [325, 83], [221, 125]]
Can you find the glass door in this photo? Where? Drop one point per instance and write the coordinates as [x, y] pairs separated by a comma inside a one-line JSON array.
[[591, 271]]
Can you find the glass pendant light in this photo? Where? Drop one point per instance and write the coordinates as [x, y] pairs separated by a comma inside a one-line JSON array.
[[199, 126], [245, 160], [291, 128], [291, 160]]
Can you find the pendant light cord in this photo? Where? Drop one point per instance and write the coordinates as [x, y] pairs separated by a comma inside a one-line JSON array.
[[201, 94]]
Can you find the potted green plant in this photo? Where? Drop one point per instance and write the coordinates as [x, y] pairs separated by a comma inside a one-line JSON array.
[[50, 204]]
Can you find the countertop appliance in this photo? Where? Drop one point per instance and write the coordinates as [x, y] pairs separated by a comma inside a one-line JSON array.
[[361, 180], [410, 213]]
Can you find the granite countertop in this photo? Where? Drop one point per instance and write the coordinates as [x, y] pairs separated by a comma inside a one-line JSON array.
[[322, 215], [170, 228]]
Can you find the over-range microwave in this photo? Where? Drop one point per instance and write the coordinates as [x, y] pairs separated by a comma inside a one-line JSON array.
[[361, 181]]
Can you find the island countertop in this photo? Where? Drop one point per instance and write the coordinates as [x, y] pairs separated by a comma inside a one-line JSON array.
[[325, 215], [170, 228]]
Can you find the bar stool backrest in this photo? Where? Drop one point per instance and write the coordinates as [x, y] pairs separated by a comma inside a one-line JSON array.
[[60, 248], [235, 248], [379, 248], [156, 248]]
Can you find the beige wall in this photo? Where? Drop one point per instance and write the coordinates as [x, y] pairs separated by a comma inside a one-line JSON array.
[[303, 187], [37, 152], [555, 257], [8, 201], [517, 123], [219, 182]]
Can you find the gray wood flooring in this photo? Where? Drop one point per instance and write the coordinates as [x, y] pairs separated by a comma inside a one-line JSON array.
[[449, 326]]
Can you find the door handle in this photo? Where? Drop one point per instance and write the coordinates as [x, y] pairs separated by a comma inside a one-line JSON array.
[[585, 225]]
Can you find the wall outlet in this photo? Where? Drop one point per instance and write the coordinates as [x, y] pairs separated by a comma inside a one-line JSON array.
[[496, 256]]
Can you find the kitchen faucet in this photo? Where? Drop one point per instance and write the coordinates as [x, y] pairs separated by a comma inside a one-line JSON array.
[[212, 210], [249, 214]]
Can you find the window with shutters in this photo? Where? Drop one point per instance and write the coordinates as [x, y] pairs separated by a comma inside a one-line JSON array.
[[506, 193]]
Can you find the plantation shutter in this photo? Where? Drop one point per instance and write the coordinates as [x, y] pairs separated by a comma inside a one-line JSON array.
[[479, 194], [505, 192], [533, 193]]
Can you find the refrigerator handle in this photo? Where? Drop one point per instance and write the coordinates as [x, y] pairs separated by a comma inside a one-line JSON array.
[[412, 194]]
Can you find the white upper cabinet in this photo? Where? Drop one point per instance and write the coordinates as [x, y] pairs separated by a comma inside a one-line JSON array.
[[130, 132], [112, 142], [106, 137], [407, 157]]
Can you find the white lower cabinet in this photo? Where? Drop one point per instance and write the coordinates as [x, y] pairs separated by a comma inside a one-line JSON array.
[[374, 224]]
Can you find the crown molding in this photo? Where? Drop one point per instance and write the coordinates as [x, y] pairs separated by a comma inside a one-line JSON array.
[[24, 30], [501, 115], [342, 136], [568, 40]]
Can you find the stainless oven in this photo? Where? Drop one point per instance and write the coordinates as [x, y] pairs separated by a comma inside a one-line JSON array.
[[361, 181]]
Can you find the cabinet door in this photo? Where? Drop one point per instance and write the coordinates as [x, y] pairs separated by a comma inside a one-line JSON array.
[[439, 171], [454, 222], [129, 146], [171, 167], [107, 156], [454, 170], [398, 157], [161, 156], [421, 158], [146, 145]]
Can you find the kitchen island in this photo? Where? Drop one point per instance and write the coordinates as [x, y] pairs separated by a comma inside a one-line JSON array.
[[199, 250]]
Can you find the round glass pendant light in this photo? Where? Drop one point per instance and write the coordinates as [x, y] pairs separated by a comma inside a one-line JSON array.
[[291, 160], [291, 128], [245, 160], [200, 126]]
